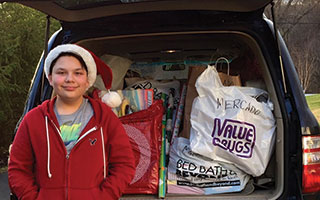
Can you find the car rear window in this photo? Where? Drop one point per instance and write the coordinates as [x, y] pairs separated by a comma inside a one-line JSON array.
[[77, 5]]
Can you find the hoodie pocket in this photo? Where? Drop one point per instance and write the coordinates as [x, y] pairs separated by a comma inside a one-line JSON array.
[[88, 194], [51, 194]]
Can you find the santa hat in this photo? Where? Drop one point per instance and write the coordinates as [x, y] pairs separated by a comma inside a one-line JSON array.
[[94, 65]]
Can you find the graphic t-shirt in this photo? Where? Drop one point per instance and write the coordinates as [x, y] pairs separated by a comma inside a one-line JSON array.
[[72, 125]]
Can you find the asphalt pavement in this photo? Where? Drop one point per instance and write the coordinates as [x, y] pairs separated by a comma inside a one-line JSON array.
[[4, 187]]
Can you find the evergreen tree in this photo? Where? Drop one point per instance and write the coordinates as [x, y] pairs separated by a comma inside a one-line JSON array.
[[22, 33]]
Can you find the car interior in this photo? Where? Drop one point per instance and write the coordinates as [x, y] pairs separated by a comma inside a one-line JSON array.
[[183, 49]]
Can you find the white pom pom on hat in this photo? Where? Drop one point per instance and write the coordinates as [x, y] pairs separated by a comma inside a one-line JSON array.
[[94, 65], [112, 99]]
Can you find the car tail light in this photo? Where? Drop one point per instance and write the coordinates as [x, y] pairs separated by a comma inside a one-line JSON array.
[[311, 164]]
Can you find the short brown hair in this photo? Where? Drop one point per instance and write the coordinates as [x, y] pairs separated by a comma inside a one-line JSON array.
[[79, 58]]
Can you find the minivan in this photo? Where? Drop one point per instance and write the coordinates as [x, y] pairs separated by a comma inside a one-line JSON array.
[[188, 33]]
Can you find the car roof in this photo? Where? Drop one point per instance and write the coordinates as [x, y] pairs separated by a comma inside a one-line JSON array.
[[74, 11]]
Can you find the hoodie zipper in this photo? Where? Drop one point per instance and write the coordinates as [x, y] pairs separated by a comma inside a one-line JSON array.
[[68, 154], [67, 175]]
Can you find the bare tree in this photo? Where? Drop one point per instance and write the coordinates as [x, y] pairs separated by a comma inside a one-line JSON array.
[[299, 24], [305, 56], [290, 13], [304, 45]]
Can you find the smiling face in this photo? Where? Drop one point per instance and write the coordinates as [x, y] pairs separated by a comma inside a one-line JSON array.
[[69, 79]]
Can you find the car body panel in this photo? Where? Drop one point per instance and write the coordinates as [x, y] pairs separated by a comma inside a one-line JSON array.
[[149, 18], [97, 9]]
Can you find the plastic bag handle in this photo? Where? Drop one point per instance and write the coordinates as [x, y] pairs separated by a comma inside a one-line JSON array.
[[208, 80], [227, 61]]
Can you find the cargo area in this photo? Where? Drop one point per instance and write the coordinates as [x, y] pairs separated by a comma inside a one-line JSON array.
[[168, 57]]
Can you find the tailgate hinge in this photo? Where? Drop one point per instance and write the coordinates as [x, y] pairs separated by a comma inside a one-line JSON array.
[[45, 56], [278, 47]]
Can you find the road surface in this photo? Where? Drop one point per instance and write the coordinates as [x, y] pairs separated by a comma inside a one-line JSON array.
[[4, 188]]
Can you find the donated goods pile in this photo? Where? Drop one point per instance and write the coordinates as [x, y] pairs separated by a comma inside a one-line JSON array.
[[193, 131]]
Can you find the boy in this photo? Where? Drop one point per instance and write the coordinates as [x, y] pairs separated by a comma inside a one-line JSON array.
[[70, 147]]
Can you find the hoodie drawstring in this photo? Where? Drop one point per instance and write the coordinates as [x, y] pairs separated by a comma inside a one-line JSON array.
[[104, 156], [48, 142]]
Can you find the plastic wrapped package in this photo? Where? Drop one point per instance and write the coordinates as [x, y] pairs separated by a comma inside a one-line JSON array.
[[191, 173]]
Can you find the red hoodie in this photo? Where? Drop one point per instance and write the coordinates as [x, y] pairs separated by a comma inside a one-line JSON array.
[[39, 167]]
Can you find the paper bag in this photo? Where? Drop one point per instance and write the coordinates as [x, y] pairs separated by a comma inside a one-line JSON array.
[[229, 80], [194, 73], [226, 78]]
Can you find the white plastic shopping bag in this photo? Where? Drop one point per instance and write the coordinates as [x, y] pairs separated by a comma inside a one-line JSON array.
[[232, 124], [191, 173]]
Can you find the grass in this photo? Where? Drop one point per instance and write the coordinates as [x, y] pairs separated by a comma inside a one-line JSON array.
[[3, 169], [314, 105]]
